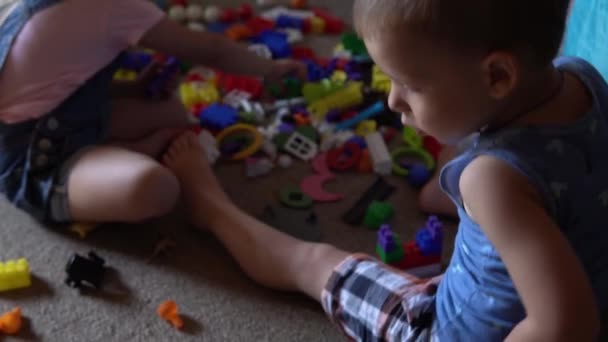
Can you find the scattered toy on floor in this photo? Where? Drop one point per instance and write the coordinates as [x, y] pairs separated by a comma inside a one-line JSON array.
[[82, 271], [169, 311], [10, 322], [14, 274]]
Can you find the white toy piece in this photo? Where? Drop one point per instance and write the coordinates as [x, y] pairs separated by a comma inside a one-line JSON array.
[[270, 149], [261, 50], [293, 35], [194, 12], [378, 152], [301, 146], [332, 139], [196, 26], [256, 167], [177, 13], [285, 161], [235, 97], [210, 145], [275, 12], [212, 14]]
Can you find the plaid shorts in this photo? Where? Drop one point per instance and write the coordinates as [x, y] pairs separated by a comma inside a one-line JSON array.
[[371, 301]]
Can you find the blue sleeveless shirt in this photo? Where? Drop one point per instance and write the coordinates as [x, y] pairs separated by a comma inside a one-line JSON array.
[[568, 165]]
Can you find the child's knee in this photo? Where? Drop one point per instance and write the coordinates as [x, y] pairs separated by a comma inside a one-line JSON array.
[[156, 192]]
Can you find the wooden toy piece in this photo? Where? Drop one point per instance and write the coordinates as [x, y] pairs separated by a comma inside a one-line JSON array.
[[169, 311], [10, 322]]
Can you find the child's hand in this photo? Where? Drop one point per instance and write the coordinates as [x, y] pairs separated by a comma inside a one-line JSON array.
[[283, 68]]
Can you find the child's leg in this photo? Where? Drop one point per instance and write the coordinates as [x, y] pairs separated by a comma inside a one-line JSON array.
[[367, 299], [112, 184], [269, 257], [432, 199], [134, 119]]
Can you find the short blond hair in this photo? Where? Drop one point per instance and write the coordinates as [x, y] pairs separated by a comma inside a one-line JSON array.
[[531, 28]]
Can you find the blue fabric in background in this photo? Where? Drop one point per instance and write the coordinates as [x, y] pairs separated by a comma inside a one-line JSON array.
[[587, 33]]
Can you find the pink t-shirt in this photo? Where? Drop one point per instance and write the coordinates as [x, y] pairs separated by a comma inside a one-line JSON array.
[[61, 47]]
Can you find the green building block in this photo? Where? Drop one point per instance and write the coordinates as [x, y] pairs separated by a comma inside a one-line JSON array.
[[247, 117], [394, 256], [377, 214], [354, 44], [309, 131]]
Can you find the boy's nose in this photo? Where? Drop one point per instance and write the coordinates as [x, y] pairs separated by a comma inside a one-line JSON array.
[[396, 102]]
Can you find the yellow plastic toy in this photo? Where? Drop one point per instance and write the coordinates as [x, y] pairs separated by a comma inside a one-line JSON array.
[[125, 75], [380, 81], [350, 96], [193, 93], [14, 274], [317, 25], [243, 128], [366, 127]]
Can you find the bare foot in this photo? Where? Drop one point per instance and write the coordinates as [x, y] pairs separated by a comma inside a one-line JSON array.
[[201, 191]]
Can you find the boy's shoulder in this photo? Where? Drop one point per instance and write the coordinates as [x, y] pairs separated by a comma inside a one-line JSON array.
[[588, 74]]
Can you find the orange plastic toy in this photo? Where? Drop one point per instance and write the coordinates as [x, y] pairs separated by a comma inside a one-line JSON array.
[[10, 322], [169, 311]]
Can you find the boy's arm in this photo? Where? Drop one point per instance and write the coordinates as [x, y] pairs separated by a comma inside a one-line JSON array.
[[213, 50], [549, 278]]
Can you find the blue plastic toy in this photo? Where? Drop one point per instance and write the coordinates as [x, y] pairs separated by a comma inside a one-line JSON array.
[[218, 117], [418, 175], [375, 109], [276, 42], [430, 238], [286, 21]]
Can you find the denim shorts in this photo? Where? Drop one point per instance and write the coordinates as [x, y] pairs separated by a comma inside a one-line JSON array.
[[36, 156]]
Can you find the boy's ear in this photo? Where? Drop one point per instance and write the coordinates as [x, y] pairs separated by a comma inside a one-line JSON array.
[[501, 74]]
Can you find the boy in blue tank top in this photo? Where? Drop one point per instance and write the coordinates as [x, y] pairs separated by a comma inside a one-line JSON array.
[[530, 260]]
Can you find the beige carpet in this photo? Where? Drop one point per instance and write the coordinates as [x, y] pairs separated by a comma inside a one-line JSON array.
[[219, 302]]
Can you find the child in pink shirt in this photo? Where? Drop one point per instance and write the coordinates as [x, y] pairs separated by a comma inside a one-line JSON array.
[[69, 151]]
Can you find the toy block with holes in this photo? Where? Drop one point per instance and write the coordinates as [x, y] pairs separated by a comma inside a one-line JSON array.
[[14, 274], [388, 247], [423, 255]]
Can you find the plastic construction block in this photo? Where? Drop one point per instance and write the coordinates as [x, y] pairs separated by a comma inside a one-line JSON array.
[[333, 25], [247, 84], [10, 322], [430, 238], [277, 43], [378, 151], [380, 82], [85, 271], [218, 117], [376, 192], [352, 43], [388, 247], [348, 97], [169, 311], [313, 91], [135, 60], [344, 158], [259, 25], [301, 146], [378, 214], [14, 274], [287, 21], [293, 197], [414, 257], [316, 72], [158, 86], [301, 224], [368, 113]]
